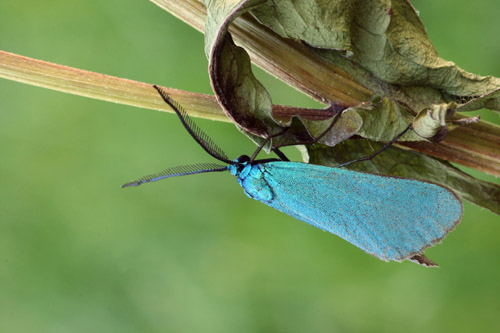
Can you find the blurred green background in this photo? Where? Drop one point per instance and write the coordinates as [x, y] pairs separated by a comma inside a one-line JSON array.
[[194, 254]]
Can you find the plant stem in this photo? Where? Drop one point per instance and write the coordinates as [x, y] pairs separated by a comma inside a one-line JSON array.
[[476, 145], [104, 87]]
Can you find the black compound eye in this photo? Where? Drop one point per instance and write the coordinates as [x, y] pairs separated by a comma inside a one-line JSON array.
[[243, 159]]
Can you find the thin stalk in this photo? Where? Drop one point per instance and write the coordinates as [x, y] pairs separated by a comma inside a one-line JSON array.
[[104, 87], [476, 145]]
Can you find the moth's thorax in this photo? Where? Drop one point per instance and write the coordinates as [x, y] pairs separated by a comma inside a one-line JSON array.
[[251, 178], [240, 170], [240, 167]]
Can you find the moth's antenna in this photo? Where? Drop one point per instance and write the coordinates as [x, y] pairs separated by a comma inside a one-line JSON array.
[[178, 171], [198, 135]]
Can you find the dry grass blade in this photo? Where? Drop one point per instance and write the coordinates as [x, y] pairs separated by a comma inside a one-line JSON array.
[[104, 87]]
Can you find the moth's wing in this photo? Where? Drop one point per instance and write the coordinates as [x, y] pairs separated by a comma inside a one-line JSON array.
[[388, 217]]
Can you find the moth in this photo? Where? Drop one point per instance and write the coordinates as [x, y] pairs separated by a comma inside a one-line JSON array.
[[388, 217]]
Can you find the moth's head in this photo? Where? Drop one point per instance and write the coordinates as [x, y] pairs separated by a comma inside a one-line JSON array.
[[243, 159], [239, 164]]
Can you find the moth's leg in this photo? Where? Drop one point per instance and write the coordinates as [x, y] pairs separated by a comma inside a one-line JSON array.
[[387, 145], [336, 117], [257, 151], [322, 134], [280, 154]]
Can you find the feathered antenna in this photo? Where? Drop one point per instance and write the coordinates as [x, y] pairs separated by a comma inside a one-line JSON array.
[[178, 171], [199, 136], [197, 133]]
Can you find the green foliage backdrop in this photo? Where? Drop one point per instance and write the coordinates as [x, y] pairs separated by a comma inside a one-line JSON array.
[[79, 254]]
